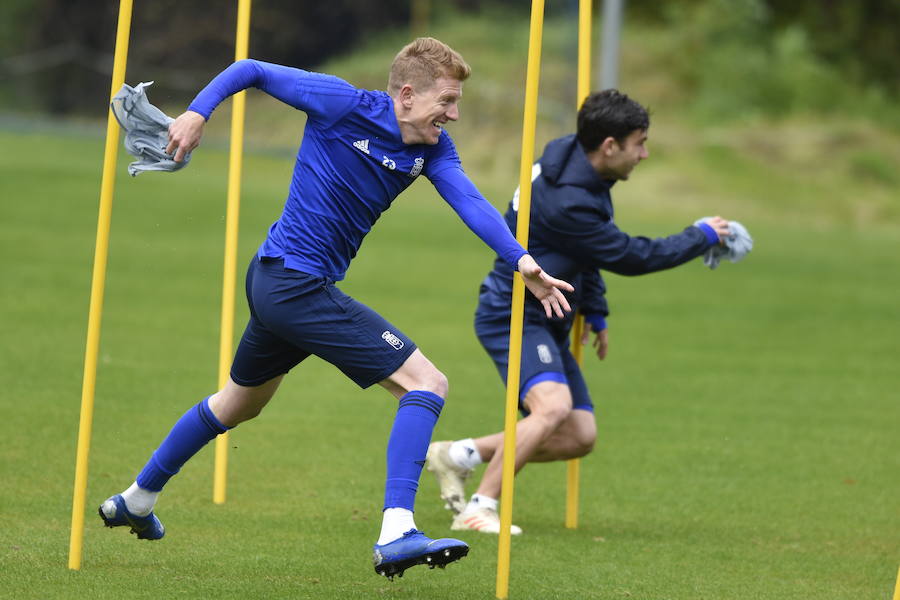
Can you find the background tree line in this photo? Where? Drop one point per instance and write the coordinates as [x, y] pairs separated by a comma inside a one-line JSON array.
[[56, 55]]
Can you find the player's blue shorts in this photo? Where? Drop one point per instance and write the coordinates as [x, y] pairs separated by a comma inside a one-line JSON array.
[[545, 352], [295, 314]]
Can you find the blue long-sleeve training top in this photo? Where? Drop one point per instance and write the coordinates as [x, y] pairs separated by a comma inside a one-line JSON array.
[[351, 165]]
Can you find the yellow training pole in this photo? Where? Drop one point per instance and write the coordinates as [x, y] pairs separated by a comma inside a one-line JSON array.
[[226, 338], [897, 587], [518, 299], [584, 52], [98, 283], [573, 467]]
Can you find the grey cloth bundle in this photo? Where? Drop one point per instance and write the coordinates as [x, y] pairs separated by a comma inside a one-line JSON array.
[[738, 244], [147, 130]]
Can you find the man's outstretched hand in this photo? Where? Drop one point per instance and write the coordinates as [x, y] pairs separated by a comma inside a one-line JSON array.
[[601, 339], [184, 134], [545, 288]]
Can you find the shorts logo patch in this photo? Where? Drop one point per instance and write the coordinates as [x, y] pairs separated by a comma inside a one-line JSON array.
[[544, 354], [392, 339]]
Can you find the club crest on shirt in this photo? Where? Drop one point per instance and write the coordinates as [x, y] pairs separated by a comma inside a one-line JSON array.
[[417, 167]]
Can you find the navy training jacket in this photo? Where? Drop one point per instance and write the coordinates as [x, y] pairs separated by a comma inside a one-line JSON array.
[[572, 235]]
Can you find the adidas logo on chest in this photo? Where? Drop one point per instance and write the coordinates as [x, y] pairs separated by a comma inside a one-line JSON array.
[[362, 145]]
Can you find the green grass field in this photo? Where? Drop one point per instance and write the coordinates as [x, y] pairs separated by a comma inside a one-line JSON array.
[[749, 417]]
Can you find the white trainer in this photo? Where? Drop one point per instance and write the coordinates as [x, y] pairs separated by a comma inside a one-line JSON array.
[[450, 477], [485, 520]]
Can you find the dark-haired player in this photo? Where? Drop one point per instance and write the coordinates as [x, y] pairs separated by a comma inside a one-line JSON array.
[[572, 234]]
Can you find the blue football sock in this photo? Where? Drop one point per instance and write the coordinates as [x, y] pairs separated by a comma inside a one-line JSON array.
[[192, 431], [416, 417]]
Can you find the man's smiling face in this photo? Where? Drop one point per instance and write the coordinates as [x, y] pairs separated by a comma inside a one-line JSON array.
[[425, 112]]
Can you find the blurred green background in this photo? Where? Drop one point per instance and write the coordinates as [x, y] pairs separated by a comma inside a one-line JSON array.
[[748, 417]]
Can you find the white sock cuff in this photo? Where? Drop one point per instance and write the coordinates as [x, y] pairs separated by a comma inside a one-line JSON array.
[[465, 454], [395, 522], [139, 501], [480, 501]]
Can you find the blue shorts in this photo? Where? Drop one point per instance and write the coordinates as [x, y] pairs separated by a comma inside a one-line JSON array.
[[545, 353], [295, 314]]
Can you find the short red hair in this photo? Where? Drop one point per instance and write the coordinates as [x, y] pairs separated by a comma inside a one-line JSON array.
[[421, 62]]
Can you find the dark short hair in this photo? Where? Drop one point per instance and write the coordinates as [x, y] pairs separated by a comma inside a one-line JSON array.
[[609, 113]]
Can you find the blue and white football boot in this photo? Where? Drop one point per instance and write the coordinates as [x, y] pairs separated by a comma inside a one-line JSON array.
[[115, 514], [415, 548]]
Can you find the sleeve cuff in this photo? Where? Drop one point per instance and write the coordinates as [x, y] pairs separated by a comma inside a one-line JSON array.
[[199, 111], [596, 320], [711, 236], [518, 257]]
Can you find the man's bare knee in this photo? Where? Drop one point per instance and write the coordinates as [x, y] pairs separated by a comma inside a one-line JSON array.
[[417, 373], [429, 380], [438, 384], [584, 434], [583, 447]]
